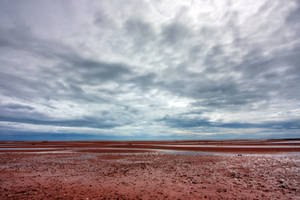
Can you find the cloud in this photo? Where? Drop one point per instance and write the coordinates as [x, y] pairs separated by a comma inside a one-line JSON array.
[[18, 107], [141, 32], [90, 123], [175, 33], [184, 122], [149, 68]]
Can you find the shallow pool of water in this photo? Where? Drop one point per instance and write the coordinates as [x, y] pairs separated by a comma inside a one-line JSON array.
[[234, 146], [12, 149]]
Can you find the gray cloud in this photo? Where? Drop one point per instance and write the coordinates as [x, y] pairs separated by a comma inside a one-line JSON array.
[[175, 33], [185, 122], [107, 67], [18, 107], [141, 32]]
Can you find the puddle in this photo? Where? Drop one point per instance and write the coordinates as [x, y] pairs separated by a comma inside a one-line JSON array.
[[285, 142], [26, 148], [45, 152], [233, 146], [185, 152]]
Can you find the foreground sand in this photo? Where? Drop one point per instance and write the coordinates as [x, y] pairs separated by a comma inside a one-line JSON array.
[[148, 175]]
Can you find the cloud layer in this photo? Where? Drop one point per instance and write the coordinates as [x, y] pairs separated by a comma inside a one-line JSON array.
[[150, 69]]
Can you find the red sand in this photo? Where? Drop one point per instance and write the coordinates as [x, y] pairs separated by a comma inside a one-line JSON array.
[[90, 171]]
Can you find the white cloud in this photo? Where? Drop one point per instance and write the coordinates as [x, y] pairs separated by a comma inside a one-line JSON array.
[[131, 64]]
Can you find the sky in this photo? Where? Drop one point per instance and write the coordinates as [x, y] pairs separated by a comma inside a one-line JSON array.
[[149, 69]]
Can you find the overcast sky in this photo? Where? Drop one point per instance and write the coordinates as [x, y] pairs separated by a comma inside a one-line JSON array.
[[149, 69]]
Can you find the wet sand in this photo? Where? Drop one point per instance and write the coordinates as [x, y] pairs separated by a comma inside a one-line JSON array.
[[150, 170]]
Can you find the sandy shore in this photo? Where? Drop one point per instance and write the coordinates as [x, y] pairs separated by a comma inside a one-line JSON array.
[[118, 173]]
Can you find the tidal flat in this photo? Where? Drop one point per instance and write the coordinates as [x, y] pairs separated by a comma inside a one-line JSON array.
[[150, 170]]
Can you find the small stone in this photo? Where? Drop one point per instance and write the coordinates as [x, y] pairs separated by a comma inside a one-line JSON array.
[[283, 186], [280, 181]]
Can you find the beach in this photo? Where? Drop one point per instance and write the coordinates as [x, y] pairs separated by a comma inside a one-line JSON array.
[[120, 170]]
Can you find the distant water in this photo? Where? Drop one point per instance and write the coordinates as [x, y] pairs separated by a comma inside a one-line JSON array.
[[26, 148], [286, 142]]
